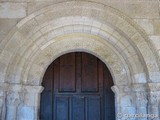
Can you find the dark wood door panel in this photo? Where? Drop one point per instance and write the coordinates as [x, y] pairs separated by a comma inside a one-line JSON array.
[[77, 87], [48, 79], [61, 110], [67, 81], [89, 73], [78, 108], [94, 108], [46, 106]]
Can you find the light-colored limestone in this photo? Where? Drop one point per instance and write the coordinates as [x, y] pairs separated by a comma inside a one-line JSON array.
[[134, 9], [156, 41], [7, 24], [26, 113], [156, 24], [147, 25], [124, 35], [13, 10]]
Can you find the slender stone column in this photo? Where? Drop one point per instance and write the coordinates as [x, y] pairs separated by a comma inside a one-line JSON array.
[[13, 100], [154, 101], [141, 101], [22, 102], [123, 101], [30, 108], [2, 101], [131, 102]]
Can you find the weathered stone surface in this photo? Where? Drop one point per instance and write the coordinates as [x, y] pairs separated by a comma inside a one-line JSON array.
[[11, 113], [156, 24], [138, 10], [7, 24], [105, 32], [140, 78], [112, 1], [2, 36], [156, 41], [13, 10], [26, 113], [146, 24]]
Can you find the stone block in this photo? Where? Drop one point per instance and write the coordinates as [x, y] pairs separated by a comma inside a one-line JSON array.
[[29, 99], [154, 76], [159, 53], [126, 101], [7, 24], [140, 78], [156, 24], [13, 10], [126, 111], [33, 5], [136, 64], [2, 77], [146, 24], [142, 9], [11, 113], [156, 41], [25, 113], [2, 67], [2, 36]]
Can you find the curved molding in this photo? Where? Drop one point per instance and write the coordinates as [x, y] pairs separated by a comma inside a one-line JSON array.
[[32, 32]]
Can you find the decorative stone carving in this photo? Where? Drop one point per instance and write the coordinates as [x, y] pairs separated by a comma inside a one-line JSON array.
[[153, 87], [13, 98], [2, 105], [154, 93], [141, 99], [117, 60]]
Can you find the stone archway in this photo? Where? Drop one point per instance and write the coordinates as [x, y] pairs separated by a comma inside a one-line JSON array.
[[76, 26]]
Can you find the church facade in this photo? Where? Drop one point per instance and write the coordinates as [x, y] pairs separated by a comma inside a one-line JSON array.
[[124, 35]]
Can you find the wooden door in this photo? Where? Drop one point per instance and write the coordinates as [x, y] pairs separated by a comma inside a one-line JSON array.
[[77, 87]]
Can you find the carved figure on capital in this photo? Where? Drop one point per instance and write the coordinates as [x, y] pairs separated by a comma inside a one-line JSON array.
[[141, 98], [13, 98]]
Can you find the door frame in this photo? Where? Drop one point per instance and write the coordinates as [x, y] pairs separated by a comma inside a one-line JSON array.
[[100, 67]]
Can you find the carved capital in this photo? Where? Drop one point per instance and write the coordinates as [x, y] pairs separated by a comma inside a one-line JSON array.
[[24, 88], [141, 87], [13, 98], [154, 87], [120, 89], [141, 98], [154, 98]]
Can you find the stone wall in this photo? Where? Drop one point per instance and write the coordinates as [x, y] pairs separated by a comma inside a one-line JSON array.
[[144, 12], [124, 35]]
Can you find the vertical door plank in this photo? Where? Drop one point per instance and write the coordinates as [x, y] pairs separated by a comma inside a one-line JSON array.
[[107, 77], [93, 108], [108, 95], [78, 111], [78, 72], [46, 106], [62, 108], [56, 75], [67, 82], [89, 73], [101, 86], [46, 95]]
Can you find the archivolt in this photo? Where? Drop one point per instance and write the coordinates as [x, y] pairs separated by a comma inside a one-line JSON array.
[[41, 37]]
